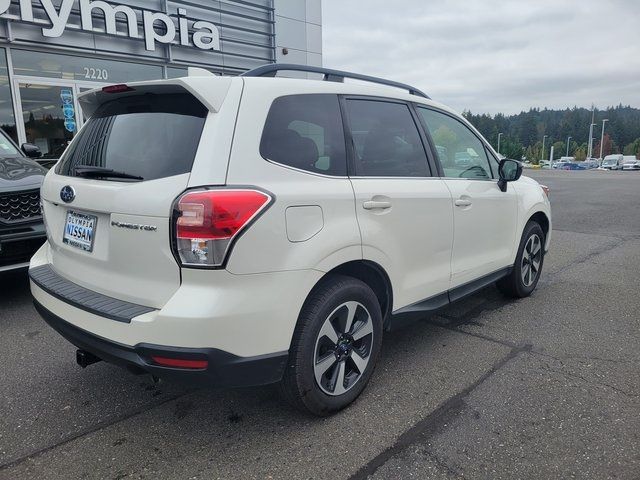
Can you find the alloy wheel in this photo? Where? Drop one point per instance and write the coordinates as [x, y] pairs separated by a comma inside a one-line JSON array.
[[531, 260], [343, 348]]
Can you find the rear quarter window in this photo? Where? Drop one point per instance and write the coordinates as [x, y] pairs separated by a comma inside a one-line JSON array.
[[305, 132], [151, 136]]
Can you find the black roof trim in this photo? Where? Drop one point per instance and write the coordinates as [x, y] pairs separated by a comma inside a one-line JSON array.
[[330, 75]]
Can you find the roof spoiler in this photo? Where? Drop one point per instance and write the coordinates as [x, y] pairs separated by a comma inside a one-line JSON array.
[[210, 89]]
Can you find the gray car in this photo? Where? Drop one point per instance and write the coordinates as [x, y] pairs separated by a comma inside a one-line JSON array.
[[22, 229]]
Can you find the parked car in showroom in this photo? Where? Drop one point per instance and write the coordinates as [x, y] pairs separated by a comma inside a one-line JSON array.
[[22, 230], [236, 231]]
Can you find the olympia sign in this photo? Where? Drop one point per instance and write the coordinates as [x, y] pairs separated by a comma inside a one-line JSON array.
[[206, 35]]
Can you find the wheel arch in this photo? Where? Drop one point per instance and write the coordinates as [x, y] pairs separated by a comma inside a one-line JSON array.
[[374, 276], [543, 220]]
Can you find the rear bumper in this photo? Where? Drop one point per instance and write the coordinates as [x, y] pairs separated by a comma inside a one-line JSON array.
[[246, 315], [224, 369]]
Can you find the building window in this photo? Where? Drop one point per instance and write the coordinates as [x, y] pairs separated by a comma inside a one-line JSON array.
[[66, 67], [173, 72], [7, 117]]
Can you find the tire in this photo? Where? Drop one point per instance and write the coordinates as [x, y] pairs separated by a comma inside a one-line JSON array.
[[320, 342], [524, 277]]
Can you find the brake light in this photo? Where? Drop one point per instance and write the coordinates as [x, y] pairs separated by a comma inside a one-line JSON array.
[[117, 89], [209, 220], [181, 363]]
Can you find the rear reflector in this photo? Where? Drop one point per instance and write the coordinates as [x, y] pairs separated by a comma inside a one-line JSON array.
[[181, 363], [117, 89], [209, 220]]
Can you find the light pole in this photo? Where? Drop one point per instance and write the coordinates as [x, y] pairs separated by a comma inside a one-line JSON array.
[[568, 139], [602, 137], [543, 139], [499, 135], [590, 149]]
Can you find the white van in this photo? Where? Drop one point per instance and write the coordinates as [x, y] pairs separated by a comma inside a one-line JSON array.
[[613, 162], [630, 162]]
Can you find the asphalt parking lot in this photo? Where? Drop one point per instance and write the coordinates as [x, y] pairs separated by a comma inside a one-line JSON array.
[[545, 387]]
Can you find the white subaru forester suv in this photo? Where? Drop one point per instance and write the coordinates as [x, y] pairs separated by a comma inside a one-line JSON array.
[[249, 230]]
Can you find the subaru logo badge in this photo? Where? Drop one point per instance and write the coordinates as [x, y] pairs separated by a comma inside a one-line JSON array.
[[67, 194]]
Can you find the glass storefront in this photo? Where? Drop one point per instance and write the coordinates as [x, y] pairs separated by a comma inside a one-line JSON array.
[[45, 87], [49, 116], [173, 72], [65, 67], [7, 116]]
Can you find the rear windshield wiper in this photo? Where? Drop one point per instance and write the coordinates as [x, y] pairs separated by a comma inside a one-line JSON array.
[[101, 172]]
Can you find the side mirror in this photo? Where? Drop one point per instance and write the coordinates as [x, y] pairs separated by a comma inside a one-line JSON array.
[[31, 150], [509, 171]]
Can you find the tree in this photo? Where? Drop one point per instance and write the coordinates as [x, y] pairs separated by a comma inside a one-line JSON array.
[[559, 150], [528, 127], [445, 137], [633, 148], [529, 155], [581, 153], [609, 147], [528, 131], [511, 148]]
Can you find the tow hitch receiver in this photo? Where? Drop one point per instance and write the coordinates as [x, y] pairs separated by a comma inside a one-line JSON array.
[[84, 359]]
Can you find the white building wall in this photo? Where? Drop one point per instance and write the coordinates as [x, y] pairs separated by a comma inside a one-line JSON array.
[[298, 29]]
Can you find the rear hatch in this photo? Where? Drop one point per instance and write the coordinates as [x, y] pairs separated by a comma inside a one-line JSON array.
[[109, 201]]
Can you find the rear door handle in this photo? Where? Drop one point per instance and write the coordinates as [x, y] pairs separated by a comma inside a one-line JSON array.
[[463, 202], [376, 205]]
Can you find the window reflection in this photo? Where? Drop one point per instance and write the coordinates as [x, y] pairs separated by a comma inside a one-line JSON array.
[[50, 65], [173, 72], [7, 117], [49, 117]]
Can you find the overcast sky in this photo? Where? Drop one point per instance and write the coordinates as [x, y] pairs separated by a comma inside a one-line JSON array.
[[493, 55]]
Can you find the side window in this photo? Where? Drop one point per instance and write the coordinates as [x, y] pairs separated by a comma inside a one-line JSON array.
[[305, 132], [386, 140], [461, 153]]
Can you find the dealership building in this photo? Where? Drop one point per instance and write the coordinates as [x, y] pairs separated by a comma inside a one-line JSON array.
[[52, 50]]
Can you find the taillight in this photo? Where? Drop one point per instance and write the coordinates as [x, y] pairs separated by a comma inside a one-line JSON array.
[[209, 220]]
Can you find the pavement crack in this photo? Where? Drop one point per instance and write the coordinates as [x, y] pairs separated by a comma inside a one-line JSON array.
[[487, 338], [581, 260], [586, 358], [591, 382], [436, 421], [95, 428]]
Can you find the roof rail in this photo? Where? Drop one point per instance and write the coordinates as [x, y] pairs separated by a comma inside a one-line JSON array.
[[270, 70]]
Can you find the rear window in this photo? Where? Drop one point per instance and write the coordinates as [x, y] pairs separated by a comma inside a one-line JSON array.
[[305, 132], [150, 136]]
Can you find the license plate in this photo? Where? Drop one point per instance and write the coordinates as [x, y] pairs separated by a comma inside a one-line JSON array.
[[79, 230]]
